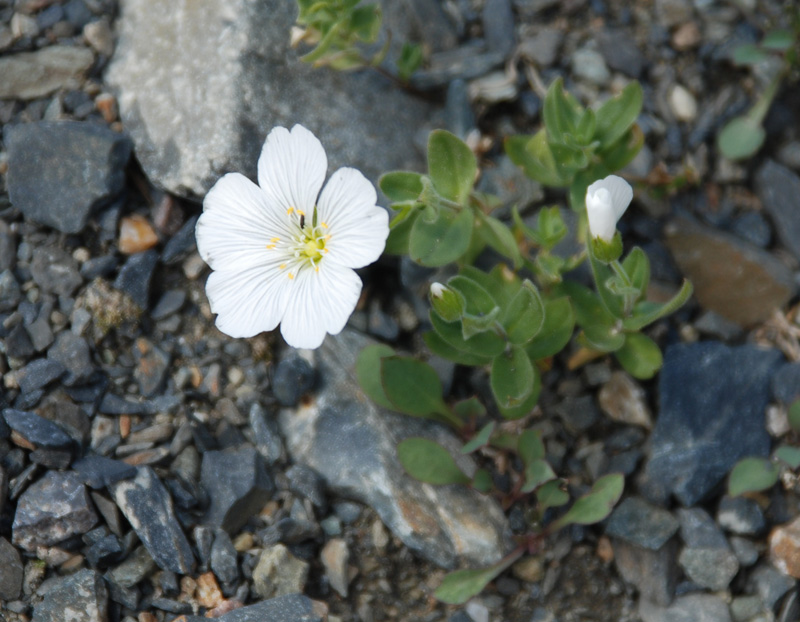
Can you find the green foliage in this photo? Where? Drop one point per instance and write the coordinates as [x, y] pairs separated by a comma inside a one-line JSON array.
[[794, 416], [596, 504], [459, 586], [752, 475], [576, 146], [429, 462]]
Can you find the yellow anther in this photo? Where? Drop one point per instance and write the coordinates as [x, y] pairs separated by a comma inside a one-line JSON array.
[[290, 210], [327, 237], [270, 247], [325, 250], [301, 212], [291, 276], [282, 266], [324, 225], [273, 240], [316, 268]]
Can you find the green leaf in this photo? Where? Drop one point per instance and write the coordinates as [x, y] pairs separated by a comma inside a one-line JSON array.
[[559, 324], [486, 344], [551, 495], [587, 127], [442, 241], [646, 313], [523, 318], [530, 446], [602, 273], [512, 377], [451, 165], [588, 308], [794, 415], [561, 112], [569, 160], [400, 231], [749, 54], [366, 22], [478, 300], [601, 337], [412, 387], [459, 586], [471, 325], [537, 473], [409, 61], [740, 138], [779, 40], [469, 408], [595, 505], [440, 347], [525, 408], [640, 356], [401, 186], [501, 283], [533, 155], [788, 454], [368, 373], [481, 439], [482, 481], [637, 267], [621, 153], [429, 462], [499, 237], [752, 475], [618, 114]]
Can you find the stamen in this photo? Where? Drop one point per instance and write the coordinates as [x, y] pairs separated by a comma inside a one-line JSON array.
[[282, 266], [275, 240], [291, 276], [324, 225], [270, 247], [326, 237], [290, 210], [301, 212]]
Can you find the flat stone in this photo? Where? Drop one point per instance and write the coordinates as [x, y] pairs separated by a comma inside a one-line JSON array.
[[335, 556], [784, 548], [135, 275], [135, 568], [31, 75], [770, 584], [778, 188], [706, 559], [740, 515], [168, 304], [10, 293], [81, 597], [72, 351], [289, 608], [60, 172], [352, 444], [620, 52], [689, 608], [741, 282], [163, 73], [653, 573], [152, 364], [266, 435], [11, 577], [278, 573], [589, 65], [293, 378], [8, 247], [55, 271], [238, 486], [707, 420], [98, 471], [543, 46], [148, 507], [222, 559], [624, 400], [37, 430], [637, 522], [498, 26], [51, 510]]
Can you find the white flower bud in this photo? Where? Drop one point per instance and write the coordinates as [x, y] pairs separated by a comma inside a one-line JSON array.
[[606, 202]]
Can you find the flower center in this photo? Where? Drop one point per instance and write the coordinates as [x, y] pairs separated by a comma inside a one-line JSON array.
[[306, 246]]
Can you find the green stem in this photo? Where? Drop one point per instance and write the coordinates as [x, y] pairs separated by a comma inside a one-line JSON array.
[[629, 299], [761, 107]]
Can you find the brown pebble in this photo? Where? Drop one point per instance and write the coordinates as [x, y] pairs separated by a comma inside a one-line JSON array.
[[686, 37], [124, 426], [136, 235], [145, 616], [208, 593], [784, 548], [604, 550], [106, 103]]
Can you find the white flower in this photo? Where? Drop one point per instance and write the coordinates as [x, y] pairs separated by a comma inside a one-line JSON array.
[[281, 251], [606, 202]]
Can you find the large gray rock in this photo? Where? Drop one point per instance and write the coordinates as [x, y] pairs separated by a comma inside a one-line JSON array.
[[778, 189], [35, 74], [352, 444], [200, 85], [81, 597]]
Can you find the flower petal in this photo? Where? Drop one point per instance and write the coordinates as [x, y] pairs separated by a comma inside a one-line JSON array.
[[357, 226], [600, 212], [237, 223], [620, 190], [249, 301], [320, 302], [292, 167]]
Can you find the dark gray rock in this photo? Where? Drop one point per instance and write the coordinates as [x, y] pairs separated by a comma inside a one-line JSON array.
[[98, 266], [37, 430], [169, 303], [148, 507], [786, 383], [641, 524], [459, 116], [135, 275], [81, 597], [754, 228], [355, 115], [59, 172], [138, 565], [543, 46], [31, 75], [180, 244], [653, 573], [307, 484], [11, 577], [579, 413], [352, 444], [288, 608], [51, 510], [708, 420], [18, 343], [706, 557], [55, 271], [266, 436], [498, 26], [770, 584], [741, 515], [293, 378], [463, 63], [620, 52], [778, 189], [72, 351], [689, 608], [10, 293], [8, 247], [151, 366], [40, 333], [98, 471], [746, 552], [238, 486], [223, 558], [105, 552]]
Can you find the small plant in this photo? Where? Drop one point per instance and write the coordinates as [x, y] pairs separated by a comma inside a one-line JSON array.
[[755, 474], [744, 135]]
